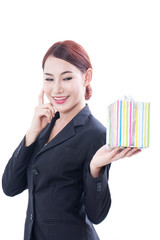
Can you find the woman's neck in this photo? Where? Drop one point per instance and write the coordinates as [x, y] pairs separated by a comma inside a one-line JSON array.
[[68, 116]]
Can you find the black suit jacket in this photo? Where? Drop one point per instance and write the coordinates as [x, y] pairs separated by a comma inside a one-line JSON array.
[[64, 199]]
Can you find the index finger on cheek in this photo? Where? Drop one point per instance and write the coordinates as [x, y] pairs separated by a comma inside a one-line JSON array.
[[41, 97]]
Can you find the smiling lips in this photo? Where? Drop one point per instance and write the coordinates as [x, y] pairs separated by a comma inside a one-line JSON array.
[[61, 99]]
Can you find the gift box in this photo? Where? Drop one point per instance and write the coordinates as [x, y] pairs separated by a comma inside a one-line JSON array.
[[128, 124]]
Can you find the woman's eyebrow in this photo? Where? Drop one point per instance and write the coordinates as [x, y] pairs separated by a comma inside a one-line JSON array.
[[49, 74]]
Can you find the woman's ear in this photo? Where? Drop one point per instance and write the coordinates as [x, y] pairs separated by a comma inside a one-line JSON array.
[[88, 77]]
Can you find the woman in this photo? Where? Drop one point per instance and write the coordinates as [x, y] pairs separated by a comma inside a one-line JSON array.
[[62, 159]]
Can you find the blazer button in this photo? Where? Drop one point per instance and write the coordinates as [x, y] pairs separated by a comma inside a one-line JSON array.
[[99, 187], [31, 217], [35, 172], [31, 190]]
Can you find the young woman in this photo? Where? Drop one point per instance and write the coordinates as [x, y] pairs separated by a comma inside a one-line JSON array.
[[62, 159]]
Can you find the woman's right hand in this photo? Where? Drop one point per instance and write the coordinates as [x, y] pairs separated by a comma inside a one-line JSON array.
[[43, 114]]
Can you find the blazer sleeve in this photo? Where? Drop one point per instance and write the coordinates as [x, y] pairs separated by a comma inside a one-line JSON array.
[[14, 179], [97, 196]]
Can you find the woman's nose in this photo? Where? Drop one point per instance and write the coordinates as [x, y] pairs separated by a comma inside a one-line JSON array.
[[57, 88]]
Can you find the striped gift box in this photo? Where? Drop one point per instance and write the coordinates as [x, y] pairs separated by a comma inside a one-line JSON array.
[[128, 124]]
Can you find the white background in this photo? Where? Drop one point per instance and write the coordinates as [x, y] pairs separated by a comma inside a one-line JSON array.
[[122, 39]]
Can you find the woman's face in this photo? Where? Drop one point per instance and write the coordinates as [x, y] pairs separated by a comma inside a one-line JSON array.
[[64, 85]]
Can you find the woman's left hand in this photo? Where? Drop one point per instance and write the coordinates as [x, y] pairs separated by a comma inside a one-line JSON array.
[[105, 156]]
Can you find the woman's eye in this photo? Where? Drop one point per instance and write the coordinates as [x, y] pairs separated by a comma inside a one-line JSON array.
[[49, 79], [69, 78]]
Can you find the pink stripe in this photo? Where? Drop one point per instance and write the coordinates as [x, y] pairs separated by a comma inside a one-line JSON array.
[[117, 121], [130, 124]]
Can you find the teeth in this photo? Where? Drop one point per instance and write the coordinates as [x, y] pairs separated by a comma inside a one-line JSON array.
[[62, 98]]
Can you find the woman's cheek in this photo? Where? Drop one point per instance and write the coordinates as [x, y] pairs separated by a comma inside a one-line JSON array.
[[46, 89]]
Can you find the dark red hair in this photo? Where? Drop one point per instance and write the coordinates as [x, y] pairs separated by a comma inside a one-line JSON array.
[[73, 53]]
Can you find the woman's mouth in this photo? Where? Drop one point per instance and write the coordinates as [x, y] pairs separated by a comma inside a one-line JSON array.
[[61, 99]]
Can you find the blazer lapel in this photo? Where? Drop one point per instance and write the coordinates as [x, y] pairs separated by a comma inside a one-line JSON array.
[[45, 133], [66, 133]]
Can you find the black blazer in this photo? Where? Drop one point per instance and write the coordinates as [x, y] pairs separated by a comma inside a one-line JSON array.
[[64, 199]]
